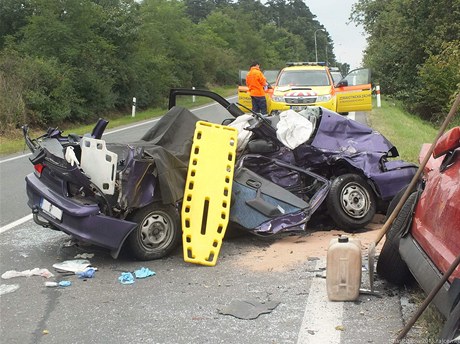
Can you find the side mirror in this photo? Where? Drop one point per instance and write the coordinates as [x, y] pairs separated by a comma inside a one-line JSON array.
[[447, 142], [342, 83]]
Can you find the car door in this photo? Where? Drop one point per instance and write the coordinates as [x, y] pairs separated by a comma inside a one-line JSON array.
[[354, 91], [243, 96]]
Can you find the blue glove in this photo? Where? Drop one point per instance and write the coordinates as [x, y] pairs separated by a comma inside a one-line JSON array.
[[87, 273], [143, 273], [126, 278]]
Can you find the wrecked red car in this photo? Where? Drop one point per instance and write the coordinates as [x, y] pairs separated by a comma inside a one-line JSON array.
[[112, 194], [424, 239]]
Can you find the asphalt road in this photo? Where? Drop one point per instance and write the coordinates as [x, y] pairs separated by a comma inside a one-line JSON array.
[[182, 302]]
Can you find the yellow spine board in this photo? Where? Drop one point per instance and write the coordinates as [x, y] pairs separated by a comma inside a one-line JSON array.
[[208, 189]]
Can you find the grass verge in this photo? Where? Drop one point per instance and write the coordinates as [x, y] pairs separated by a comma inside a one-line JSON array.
[[407, 132]]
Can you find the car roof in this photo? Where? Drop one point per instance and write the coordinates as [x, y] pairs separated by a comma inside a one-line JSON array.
[[305, 66]]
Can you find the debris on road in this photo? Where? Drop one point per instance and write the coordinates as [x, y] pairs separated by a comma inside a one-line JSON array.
[[65, 283], [126, 278], [27, 273], [89, 273], [144, 272], [58, 284], [248, 310], [51, 284], [76, 265], [84, 256], [8, 288]]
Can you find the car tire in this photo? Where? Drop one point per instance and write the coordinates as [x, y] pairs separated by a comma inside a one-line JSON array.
[[394, 202], [451, 330], [390, 264], [351, 202], [158, 231]]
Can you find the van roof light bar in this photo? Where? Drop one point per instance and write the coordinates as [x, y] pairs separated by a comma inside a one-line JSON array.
[[305, 63]]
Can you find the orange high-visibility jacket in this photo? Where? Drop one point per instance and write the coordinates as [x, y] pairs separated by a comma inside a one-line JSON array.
[[256, 81]]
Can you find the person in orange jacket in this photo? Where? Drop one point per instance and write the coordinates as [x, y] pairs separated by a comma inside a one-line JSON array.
[[256, 82]]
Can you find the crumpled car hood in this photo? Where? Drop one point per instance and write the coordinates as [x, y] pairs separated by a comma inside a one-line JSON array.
[[343, 135], [338, 137]]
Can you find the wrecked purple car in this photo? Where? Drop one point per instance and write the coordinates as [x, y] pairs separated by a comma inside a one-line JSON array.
[[287, 167]]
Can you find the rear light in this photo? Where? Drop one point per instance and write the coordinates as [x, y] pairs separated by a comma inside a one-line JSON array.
[[38, 169]]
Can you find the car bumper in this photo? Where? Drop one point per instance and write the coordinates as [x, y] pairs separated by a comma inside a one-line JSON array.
[[82, 221], [425, 272], [396, 175], [277, 107]]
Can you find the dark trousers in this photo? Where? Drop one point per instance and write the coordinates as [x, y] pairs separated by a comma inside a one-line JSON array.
[[259, 104]]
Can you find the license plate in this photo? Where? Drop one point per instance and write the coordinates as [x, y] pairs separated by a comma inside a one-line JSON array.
[[51, 209], [298, 108]]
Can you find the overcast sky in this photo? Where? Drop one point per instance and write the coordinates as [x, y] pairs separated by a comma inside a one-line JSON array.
[[349, 40]]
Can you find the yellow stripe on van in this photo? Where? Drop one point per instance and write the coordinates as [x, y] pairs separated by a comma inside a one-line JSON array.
[[208, 190]]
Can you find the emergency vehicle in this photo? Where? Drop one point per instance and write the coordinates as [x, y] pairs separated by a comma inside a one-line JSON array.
[[302, 84]]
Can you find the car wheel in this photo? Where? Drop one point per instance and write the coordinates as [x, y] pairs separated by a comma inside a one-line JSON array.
[[451, 330], [390, 264], [351, 202], [394, 202], [158, 231]]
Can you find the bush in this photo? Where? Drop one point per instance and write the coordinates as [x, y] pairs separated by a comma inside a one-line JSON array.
[[439, 83], [35, 91]]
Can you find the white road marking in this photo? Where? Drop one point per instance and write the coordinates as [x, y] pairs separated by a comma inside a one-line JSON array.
[[15, 157], [15, 223], [321, 316]]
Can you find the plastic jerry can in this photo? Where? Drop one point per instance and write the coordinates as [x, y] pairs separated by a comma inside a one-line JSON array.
[[343, 269]]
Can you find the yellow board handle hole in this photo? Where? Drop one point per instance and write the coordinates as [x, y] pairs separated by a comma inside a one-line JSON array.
[[211, 257], [204, 219]]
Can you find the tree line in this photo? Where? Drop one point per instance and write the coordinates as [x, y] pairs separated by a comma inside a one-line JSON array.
[[72, 61], [414, 51], [66, 60]]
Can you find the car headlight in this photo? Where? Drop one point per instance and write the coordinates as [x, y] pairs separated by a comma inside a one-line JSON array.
[[324, 98], [278, 99]]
